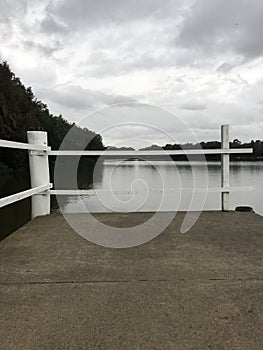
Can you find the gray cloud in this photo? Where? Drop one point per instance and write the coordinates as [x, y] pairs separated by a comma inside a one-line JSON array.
[[228, 66], [51, 25], [42, 48], [103, 12], [78, 98], [100, 64], [12, 8], [200, 59], [218, 26], [9, 13], [194, 106], [145, 123]]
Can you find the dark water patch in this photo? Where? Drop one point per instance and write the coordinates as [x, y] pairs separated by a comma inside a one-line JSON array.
[[17, 214]]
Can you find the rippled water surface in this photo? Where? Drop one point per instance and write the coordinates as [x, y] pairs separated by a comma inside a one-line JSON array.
[[132, 183], [144, 186]]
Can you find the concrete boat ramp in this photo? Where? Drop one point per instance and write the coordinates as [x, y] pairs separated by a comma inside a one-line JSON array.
[[198, 290]]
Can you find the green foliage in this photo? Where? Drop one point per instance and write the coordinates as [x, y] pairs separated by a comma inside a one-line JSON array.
[[20, 111]]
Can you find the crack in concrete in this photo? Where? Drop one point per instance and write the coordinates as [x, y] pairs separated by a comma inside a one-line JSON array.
[[128, 281]]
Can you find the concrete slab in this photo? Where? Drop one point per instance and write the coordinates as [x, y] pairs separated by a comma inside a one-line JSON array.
[[199, 290]]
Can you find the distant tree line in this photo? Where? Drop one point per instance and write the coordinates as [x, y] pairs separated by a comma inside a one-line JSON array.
[[113, 148], [257, 147], [20, 111]]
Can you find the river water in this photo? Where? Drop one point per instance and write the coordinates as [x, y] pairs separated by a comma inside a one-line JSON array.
[[132, 183]]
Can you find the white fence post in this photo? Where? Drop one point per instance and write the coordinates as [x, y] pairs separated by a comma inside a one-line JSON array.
[[39, 173], [225, 166]]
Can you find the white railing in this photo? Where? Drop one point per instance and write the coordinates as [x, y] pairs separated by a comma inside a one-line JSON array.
[[40, 179]]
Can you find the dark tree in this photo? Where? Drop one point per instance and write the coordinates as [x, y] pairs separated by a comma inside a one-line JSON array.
[[20, 111]]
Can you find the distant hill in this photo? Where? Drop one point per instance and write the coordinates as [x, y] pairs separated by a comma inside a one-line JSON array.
[[20, 111]]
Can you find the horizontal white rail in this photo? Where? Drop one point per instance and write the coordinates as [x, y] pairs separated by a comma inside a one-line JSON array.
[[92, 192], [24, 194], [35, 147], [39, 169], [150, 153], [21, 145]]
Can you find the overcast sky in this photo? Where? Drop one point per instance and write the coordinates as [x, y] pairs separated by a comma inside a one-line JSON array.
[[198, 62]]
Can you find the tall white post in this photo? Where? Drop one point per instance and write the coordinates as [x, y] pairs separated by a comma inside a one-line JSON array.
[[39, 173], [225, 167]]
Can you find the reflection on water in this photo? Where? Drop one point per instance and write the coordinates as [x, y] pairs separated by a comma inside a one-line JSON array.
[[17, 214], [137, 178]]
